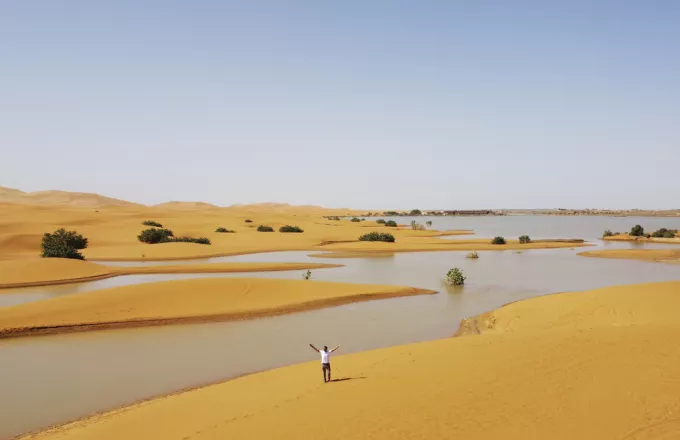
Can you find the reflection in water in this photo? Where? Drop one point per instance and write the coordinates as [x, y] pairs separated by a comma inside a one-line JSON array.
[[62, 377]]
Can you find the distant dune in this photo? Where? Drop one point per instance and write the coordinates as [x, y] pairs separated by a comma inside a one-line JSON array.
[[11, 195], [186, 205]]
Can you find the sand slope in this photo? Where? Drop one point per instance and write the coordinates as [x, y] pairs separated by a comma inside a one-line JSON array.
[[182, 301], [591, 365]]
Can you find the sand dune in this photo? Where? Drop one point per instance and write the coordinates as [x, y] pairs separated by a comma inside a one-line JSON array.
[[50, 271], [60, 198], [184, 301], [592, 365], [660, 255]]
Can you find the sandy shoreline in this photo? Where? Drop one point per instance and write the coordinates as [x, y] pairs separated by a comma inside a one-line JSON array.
[[652, 255], [556, 366], [184, 302]]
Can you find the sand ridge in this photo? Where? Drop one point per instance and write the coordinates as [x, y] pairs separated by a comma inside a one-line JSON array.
[[185, 301], [595, 365], [654, 255]]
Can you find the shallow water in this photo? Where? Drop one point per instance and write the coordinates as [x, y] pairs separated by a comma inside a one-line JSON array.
[[52, 379]]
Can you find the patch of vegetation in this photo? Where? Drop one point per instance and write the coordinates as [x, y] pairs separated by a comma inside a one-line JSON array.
[[153, 235], [152, 223], [63, 244], [415, 212], [417, 226], [428, 223], [391, 223], [263, 228], [333, 217], [307, 275], [391, 213], [608, 233], [199, 240], [289, 228], [222, 229], [637, 231], [455, 277], [665, 233], [473, 255], [380, 221], [377, 236], [355, 220], [248, 220], [498, 240], [524, 239]]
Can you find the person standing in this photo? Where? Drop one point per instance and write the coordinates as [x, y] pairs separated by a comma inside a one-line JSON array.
[[325, 360]]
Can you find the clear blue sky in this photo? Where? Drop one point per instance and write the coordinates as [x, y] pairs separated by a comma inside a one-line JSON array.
[[364, 104]]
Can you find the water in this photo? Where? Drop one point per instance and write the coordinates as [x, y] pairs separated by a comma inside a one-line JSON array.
[[52, 379]]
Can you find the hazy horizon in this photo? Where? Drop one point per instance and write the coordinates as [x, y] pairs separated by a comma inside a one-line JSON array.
[[363, 105]]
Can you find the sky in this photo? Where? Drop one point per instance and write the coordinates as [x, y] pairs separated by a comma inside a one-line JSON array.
[[360, 104]]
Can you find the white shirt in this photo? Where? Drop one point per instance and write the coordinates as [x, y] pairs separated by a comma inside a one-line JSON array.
[[325, 357]]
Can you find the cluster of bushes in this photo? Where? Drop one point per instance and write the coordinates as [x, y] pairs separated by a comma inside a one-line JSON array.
[[524, 239], [415, 212], [222, 229], [333, 217], [391, 223], [152, 223], [154, 235], [355, 219], [455, 277], [263, 228], [391, 213], [377, 236], [380, 221], [159, 235], [63, 244], [289, 228], [665, 233], [498, 240], [637, 231], [609, 233]]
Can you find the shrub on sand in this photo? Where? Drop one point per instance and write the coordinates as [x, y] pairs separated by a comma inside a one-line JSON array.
[[248, 220], [222, 229], [524, 239], [199, 240], [263, 228], [152, 223], [607, 233], [637, 231], [153, 235], [665, 233], [377, 236], [355, 220], [289, 228], [380, 221], [391, 223], [498, 240], [63, 244]]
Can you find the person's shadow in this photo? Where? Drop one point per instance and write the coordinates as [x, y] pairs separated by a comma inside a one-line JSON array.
[[343, 379]]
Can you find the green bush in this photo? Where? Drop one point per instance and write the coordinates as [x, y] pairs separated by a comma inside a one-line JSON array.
[[665, 233], [248, 220], [152, 223], [222, 229], [263, 228], [473, 255], [498, 240], [153, 235], [637, 231], [428, 223], [380, 221], [199, 240], [63, 244], [333, 217], [415, 212], [391, 223], [355, 220], [289, 228], [454, 277], [377, 236], [391, 213], [524, 239], [607, 233]]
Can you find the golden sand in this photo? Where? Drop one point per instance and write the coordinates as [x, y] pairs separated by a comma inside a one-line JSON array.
[[600, 364], [50, 271], [628, 237], [184, 301], [112, 232], [659, 255]]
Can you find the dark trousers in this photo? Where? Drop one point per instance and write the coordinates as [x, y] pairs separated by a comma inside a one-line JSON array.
[[326, 368]]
